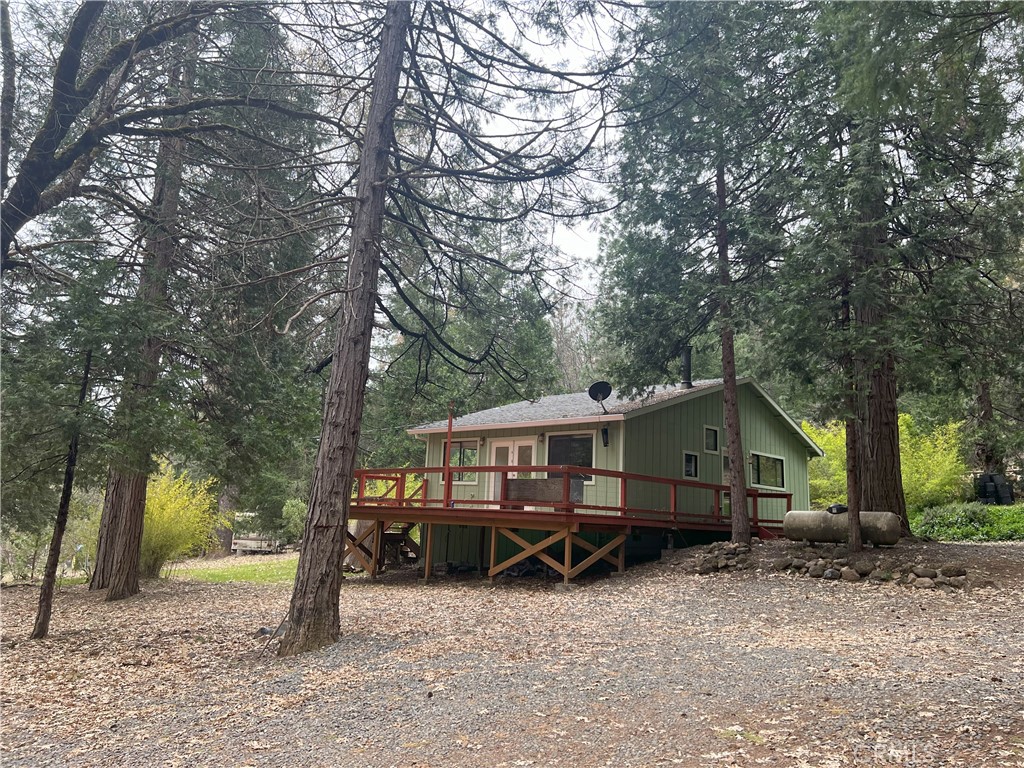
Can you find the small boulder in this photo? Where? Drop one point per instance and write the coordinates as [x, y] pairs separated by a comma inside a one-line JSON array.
[[958, 582], [879, 575], [923, 572], [782, 563], [953, 570], [863, 567], [923, 582], [849, 574], [799, 562], [840, 562], [816, 570], [831, 574]]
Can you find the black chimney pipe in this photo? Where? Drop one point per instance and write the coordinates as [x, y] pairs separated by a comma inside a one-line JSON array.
[[686, 364]]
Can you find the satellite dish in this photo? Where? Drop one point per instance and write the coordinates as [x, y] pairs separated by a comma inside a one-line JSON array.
[[599, 392]]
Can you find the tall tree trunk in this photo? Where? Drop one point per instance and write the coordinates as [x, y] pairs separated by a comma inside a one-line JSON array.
[[986, 455], [853, 417], [881, 481], [730, 393], [42, 622], [882, 477], [854, 538], [117, 557], [313, 612], [109, 522]]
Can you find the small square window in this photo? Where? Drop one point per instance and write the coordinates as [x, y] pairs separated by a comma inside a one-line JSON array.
[[690, 465], [767, 471], [710, 439], [571, 450], [464, 453]]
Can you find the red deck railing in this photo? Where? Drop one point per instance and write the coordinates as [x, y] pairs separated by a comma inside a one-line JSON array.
[[408, 490]]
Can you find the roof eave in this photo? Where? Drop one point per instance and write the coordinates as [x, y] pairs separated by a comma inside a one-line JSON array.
[[602, 418]]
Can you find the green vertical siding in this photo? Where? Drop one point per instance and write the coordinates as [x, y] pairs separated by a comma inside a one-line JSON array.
[[656, 441]]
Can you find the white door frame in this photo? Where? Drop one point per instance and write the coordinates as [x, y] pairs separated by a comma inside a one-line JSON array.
[[513, 444]]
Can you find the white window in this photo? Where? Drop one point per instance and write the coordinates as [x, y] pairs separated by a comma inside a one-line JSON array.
[[464, 453], [711, 439], [767, 471], [573, 451], [690, 465]]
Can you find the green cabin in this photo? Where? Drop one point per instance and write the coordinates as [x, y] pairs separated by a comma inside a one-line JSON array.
[[676, 432]]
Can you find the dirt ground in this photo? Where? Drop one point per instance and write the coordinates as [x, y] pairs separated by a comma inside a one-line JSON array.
[[659, 667]]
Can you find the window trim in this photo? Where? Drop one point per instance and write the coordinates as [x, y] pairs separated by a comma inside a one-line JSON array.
[[476, 475], [762, 485], [593, 449], [718, 439], [696, 465]]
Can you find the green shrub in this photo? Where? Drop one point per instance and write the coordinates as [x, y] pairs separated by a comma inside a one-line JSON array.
[[827, 475], [294, 520], [181, 520], [23, 554], [970, 521], [932, 463]]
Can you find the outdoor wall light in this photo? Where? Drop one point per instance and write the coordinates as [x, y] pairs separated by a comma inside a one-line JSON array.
[[540, 438], [604, 436]]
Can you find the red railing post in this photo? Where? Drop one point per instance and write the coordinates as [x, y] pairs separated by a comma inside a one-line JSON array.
[[717, 506], [566, 484], [672, 489], [362, 486], [622, 497], [753, 504], [400, 492]]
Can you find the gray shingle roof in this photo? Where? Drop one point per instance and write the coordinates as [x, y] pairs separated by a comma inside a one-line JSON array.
[[571, 407]]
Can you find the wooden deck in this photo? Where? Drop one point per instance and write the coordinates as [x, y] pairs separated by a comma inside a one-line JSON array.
[[396, 499]]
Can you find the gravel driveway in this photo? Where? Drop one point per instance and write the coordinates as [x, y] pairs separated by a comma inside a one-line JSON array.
[[660, 667]]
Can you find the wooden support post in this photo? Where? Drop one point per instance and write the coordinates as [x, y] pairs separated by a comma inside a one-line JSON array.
[[494, 554], [428, 552], [672, 501], [377, 548], [622, 555], [568, 555]]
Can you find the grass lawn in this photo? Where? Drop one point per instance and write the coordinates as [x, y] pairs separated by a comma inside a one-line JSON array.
[[255, 569]]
